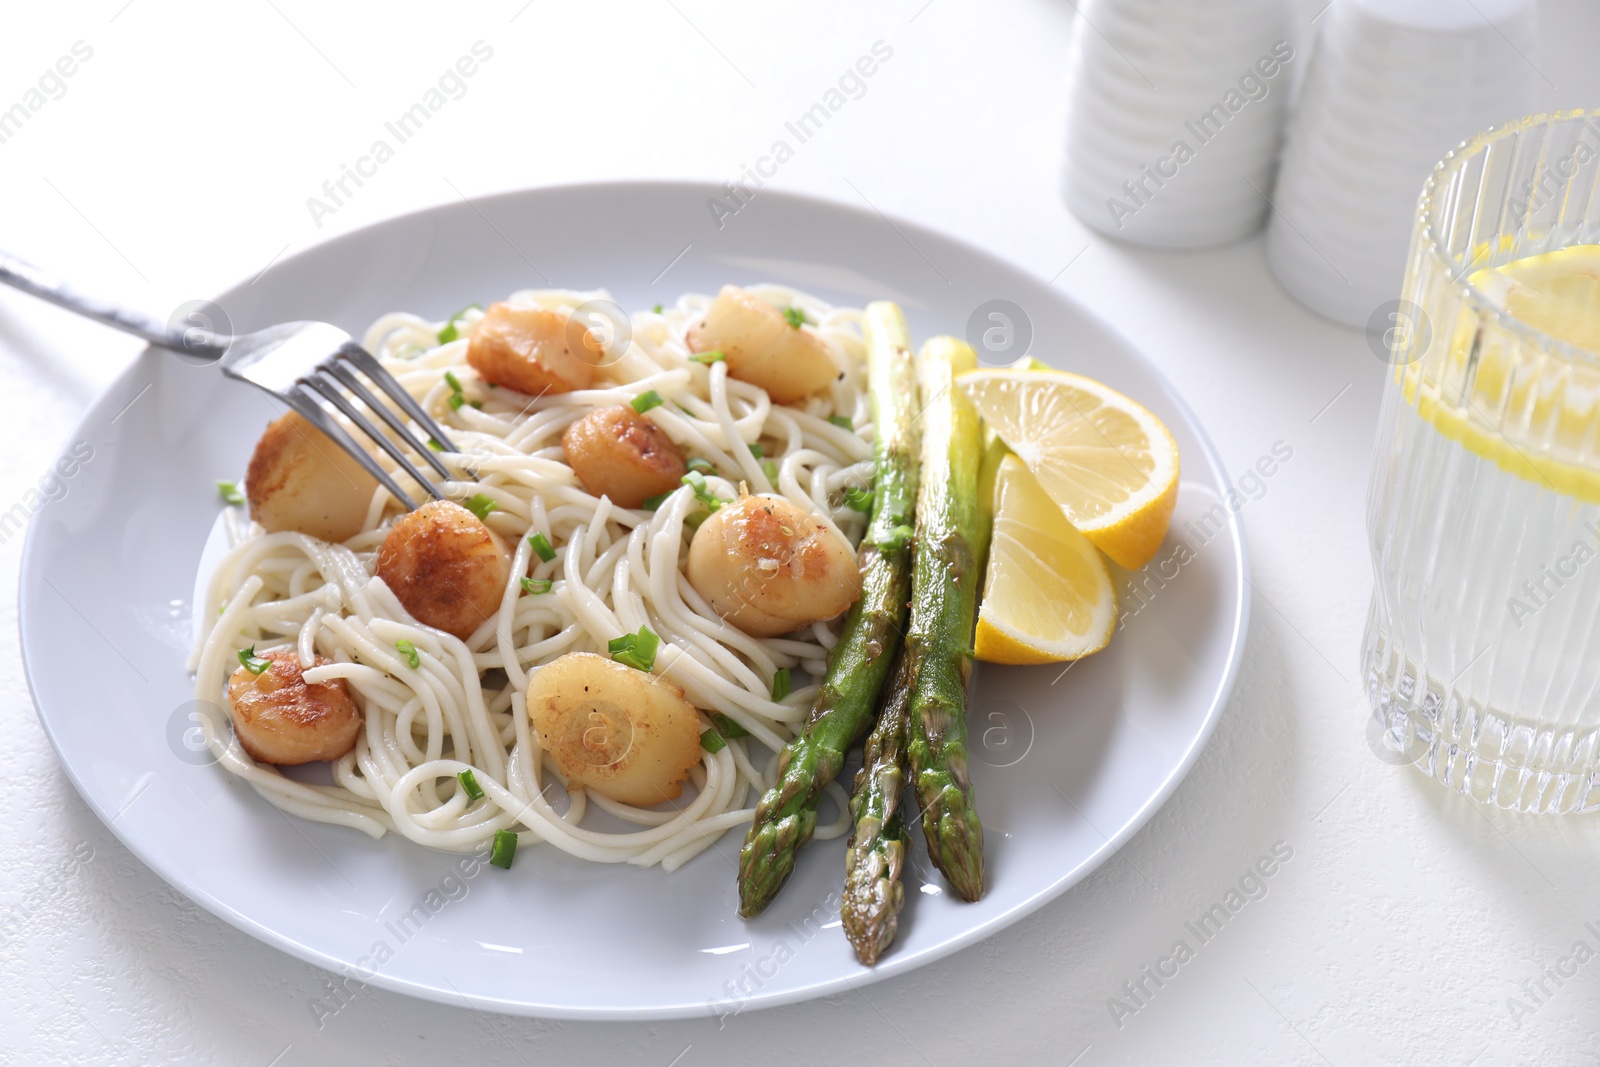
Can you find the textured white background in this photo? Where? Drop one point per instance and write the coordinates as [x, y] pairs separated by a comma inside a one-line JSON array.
[[179, 161]]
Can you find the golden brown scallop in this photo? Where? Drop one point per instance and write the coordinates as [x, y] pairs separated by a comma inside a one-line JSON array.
[[769, 567], [761, 347], [446, 567], [617, 452], [533, 350], [300, 480], [280, 718]]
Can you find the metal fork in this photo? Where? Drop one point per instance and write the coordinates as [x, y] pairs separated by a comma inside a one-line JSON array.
[[276, 360]]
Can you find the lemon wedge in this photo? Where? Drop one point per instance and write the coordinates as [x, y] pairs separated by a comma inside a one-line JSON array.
[[1047, 593], [1110, 465]]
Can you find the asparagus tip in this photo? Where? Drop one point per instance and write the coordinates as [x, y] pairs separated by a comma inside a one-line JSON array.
[[767, 859], [955, 843]]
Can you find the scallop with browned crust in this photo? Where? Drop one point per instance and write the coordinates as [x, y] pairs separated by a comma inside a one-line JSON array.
[[617, 452], [769, 567], [763, 346], [533, 350], [446, 567], [281, 718], [299, 480]]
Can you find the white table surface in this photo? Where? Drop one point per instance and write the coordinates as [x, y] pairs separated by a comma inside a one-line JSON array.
[[179, 160]]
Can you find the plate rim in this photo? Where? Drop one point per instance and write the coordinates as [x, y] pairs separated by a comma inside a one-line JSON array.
[[888, 968]]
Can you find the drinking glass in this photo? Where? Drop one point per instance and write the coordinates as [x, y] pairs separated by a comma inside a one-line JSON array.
[[1482, 651]]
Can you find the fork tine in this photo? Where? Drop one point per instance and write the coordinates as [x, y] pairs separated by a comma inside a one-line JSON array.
[[364, 362], [301, 399], [330, 392], [352, 383]]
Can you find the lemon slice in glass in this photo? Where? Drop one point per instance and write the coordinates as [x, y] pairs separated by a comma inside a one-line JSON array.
[[1533, 417], [1557, 292]]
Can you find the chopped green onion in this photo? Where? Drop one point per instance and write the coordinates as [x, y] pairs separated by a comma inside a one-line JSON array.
[[657, 309], [504, 849], [703, 465], [757, 451], [897, 537], [409, 651], [536, 585], [455, 401], [695, 518], [450, 333], [452, 381], [651, 503], [541, 547], [481, 504], [859, 499], [782, 684], [635, 650], [230, 492], [713, 356], [645, 401], [252, 662], [842, 421], [476, 403], [795, 317], [697, 481], [770, 469], [435, 445], [469, 784], [622, 647], [712, 741], [728, 728]]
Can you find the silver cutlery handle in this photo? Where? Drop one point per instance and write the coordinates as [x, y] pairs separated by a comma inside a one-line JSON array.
[[20, 274]]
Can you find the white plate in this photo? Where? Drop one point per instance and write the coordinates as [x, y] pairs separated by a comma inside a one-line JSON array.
[[1064, 772]]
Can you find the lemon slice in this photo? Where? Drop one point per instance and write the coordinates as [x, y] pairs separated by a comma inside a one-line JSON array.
[[1558, 293], [1047, 593], [1533, 418], [1109, 465]]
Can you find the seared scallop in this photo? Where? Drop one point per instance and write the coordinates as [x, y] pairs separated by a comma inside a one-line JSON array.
[[627, 734], [533, 350], [281, 718], [763, 347], [446, 567], [300, 480], [768, 567], [617, 452]]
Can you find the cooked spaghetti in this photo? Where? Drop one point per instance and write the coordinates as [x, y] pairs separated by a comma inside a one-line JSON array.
[[433, 705]]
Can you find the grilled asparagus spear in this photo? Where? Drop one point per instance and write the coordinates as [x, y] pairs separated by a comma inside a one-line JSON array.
[[952, 536], [873, 864], [787, 813]]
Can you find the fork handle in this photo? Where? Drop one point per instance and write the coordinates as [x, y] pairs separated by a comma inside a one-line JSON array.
[[20, 274]]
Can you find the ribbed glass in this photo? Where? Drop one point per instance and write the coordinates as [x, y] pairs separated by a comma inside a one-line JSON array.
[[1482, 650]]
